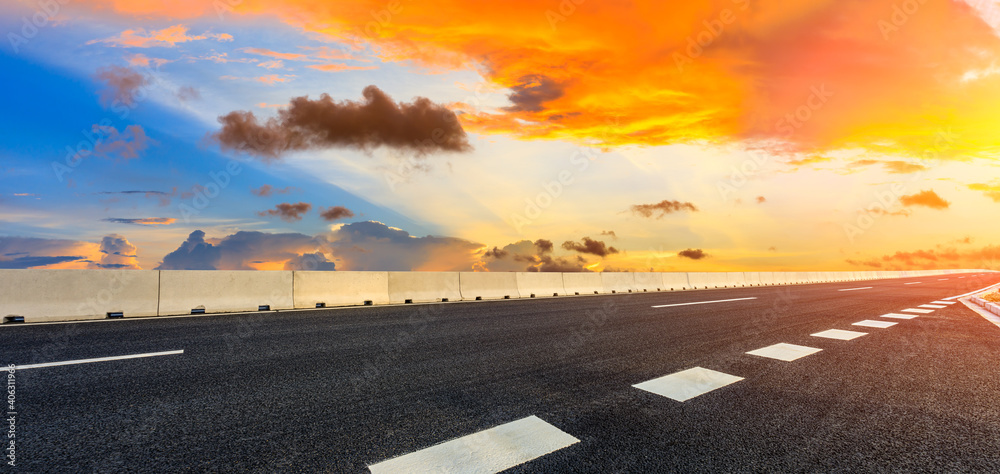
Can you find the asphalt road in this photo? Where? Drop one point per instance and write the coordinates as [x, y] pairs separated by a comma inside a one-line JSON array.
[[337, 390]]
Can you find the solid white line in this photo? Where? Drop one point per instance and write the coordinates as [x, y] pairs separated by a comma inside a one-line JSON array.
[[852, 289], [702, 302], [99, 359], [970, 293], [687, 384], [493, 450], [913, 283]]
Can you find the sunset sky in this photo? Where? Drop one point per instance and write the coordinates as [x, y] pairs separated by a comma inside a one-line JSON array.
[[502, 136]]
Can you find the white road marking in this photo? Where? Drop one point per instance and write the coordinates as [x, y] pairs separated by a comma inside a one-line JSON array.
[[687, 384], [942, 302], [898, 316], [942, 279], [852, 289], [785, 352], [932, 306], [971, 292], [913, 283], [868, 323], [703, 302], [918, 310], [99, 359], [961, 277], [839, 334], [493, 450]]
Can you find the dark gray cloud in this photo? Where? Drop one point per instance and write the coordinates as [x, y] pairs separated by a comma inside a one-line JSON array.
[[144, 221], [268, 190], [239, 251], [370, 245], [188, 93], [287, 211], [528, 256], [532, 92], [590, 246], [310, 262], [693, 254], [662, 208], [421, 127], [335, 213], [117, 252], [33, 261], [121, 85]]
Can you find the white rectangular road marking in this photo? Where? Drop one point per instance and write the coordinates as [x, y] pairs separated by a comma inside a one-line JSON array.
[[853, 289], [898, 316], [913, 283], [868, 323], [493, 450], [687, 384], [918, 310], [785, 352], [703, 302], [942, 279], [99, 359], [942, 302], [932, 306], [839, 334]]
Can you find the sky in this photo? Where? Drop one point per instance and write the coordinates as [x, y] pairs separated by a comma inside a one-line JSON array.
[[446, 135]]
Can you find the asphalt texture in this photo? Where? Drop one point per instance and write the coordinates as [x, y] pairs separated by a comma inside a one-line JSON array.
[[336, 390]]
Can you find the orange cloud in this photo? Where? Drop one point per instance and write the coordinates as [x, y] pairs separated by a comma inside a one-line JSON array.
[[927, 198], [165, 38], [991, 191], [274, 54], [792, 75], [335, 67]]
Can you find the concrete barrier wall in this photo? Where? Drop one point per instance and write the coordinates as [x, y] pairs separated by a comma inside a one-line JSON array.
[[766, 278], [64, 295], [539, 284], [488, 285], [61, 295], [219, 291], [735, 279], [675, 281], [584, 283], [701, 280], [617, 282], [424, 287], [339, 288], [648, 281]]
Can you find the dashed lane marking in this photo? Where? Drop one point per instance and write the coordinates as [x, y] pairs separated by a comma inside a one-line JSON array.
[[703, 302], [932, 306], [493, 450], [839, 334], [855, 289], [898, 316], [99, 359], [687, 384], [913, 283], [868, 323], [785, 352], [942, 302], [918, 310]]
